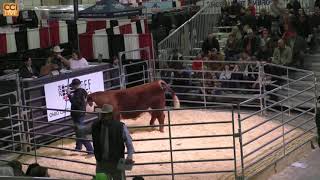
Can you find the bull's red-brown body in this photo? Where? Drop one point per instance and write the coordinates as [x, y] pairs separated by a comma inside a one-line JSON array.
[[143, 97]]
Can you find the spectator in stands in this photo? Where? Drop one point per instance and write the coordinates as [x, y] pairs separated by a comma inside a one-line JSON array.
[[276, 10], [251, 43], [282, 55], [298, 51], [315, 19], [249, 19], [76, 61], [252, 8], [27, 70], [17, 168], [115, 72], [265, 52], [303, 26], [214, 55], [35, 170], [264, 37], [77, 99], [235, 9], [237, 33], [209, 43], [225, 76], [294, 6], [232, 48], [109, 138], [264, 20], [317, 3]]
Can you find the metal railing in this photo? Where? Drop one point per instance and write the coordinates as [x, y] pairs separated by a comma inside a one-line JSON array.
[[290, 123], [39, 149], [189, 35], [286, 125]]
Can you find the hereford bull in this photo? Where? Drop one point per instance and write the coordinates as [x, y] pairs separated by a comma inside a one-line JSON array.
[[143, 97]]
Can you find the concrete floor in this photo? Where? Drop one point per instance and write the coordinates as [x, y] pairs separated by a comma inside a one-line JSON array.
[[311, 172]]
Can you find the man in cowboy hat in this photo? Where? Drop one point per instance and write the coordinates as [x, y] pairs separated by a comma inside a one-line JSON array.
[[57, 58], [109, 138], [78, 102]]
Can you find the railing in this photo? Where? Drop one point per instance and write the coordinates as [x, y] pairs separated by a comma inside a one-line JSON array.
[[188, 36], [281, 120], [170, 147], [293, 108]]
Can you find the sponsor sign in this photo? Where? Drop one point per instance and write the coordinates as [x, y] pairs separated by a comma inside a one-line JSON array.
[[56, 93], [158, 5]]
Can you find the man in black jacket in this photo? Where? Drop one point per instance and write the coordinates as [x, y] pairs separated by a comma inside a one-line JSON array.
[[109, 137], [78, 102]]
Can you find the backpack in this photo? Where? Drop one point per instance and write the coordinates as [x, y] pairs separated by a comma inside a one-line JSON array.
[[108, 140]]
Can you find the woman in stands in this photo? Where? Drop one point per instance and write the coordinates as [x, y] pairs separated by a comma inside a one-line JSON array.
[[77, 61]]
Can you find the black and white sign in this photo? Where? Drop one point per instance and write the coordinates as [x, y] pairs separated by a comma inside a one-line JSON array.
[[56, 93]]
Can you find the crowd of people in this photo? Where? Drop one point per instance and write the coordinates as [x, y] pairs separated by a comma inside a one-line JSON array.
[[280, 36], [54, 64], [14, 168]]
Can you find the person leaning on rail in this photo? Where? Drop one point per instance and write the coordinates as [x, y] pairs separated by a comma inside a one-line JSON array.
[[109, 138], [78, 102]]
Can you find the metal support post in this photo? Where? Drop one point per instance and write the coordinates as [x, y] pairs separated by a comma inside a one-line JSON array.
[[170, 143]]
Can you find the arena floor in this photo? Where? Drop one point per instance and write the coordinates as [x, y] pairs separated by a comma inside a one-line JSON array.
[[178, 117]]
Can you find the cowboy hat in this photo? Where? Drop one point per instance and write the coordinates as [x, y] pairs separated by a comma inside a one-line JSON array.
[[75, 82], [106, 109], [57, 49]]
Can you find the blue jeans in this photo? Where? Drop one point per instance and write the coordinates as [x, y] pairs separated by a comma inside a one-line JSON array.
[[81, 132]]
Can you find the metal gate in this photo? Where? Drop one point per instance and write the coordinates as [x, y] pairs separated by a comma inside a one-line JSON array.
[[134, 69]]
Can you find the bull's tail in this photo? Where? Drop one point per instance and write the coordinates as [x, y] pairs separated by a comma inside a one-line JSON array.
[[176, 102]]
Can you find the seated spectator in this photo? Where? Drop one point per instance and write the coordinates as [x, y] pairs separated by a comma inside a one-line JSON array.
[[265, 52], [282, 55], [264, 20], [232, 48], [115, 72], [251, 43], [298, 51], [27, 70], [209, 43], [252, 8], [249, 19], [264, 37], [317, 3], [214, 55], [17, 168], [294, 6], [303, 27], [225, 76], [77, 61], [237, 33], [35, 170], [235, 9]]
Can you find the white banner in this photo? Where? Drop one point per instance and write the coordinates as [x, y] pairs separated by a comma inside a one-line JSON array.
[[56, 97]]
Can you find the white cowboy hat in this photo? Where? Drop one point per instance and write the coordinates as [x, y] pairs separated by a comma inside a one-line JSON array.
[[57, 49]]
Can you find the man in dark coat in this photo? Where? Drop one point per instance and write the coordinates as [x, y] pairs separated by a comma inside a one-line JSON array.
[[210, 43], [78, 102]]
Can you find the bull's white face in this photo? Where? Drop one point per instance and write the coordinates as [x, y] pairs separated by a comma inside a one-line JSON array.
[[91, 108]]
